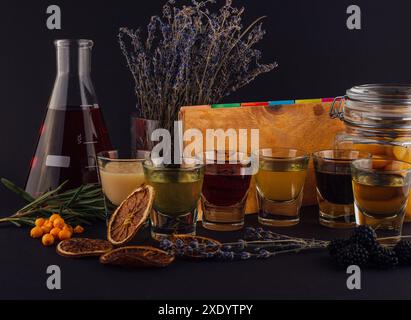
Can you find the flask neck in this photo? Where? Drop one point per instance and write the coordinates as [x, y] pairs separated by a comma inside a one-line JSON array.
[[73, 87], [74, 57]]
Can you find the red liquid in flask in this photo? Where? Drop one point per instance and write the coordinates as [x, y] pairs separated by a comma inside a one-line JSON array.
[[72, 133], [67, 149]]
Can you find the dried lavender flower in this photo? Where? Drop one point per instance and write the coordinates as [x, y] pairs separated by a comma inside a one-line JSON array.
[[190, 56]]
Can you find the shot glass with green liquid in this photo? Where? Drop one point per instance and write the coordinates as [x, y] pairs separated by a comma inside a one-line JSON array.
[[177, 192]]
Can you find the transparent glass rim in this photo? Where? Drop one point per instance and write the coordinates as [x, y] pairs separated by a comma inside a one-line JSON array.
[[300, 154], [81, 43], [241, 157], [355, 164], [101, 156], [195, 165], [362, 155]]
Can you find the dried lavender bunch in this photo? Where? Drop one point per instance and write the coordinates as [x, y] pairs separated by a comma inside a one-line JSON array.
[[191, 56]]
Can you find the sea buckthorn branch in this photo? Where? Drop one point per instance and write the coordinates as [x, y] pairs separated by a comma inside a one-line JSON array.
[[81, 205]]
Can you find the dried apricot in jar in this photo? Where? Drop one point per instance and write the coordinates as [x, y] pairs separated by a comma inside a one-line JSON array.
[[47, 239], [379, 163], [137, 256], [130, 215], [402, 153], [36, 232], [39, 222], [78, 229]]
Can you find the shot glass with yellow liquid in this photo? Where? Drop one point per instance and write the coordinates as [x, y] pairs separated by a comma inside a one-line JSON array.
[[177, 193], [118, 177], [381, 190], [280, 182]]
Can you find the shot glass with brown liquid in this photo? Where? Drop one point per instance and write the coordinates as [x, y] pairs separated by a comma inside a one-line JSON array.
[[381, 189], [334, 187]]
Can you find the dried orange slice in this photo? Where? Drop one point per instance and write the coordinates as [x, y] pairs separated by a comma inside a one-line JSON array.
[[130, 215], [137, 256], [83, 247]]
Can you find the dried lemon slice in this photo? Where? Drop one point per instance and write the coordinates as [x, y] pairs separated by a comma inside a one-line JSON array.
[[83, 247], [137, 256], [130, 215]]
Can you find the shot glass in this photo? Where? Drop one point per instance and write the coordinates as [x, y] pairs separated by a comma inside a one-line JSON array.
[[280, 182], [334, 186], [381, 189], [226, 183], [177, 192], [118, 178]]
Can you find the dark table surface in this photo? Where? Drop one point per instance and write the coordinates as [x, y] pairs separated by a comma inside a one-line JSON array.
[[308, 275]]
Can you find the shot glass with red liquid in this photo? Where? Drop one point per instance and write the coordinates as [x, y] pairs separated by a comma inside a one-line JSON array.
[[226, 183]]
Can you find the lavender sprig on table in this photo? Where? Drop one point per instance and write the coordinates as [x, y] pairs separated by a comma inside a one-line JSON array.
[[191, 56], [259, 244]]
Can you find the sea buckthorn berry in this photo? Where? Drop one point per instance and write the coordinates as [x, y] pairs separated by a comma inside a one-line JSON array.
[[68, 227], [47, 227], [55, 232], [47, 239], [65, 234], [54, 216], [58, 223], [39, 222], [36, 232], [78, 229]]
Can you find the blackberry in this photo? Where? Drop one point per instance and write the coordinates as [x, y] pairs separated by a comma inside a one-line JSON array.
[[335, 245], [383, 258], [352, 254], [403, 252], [365, 236]]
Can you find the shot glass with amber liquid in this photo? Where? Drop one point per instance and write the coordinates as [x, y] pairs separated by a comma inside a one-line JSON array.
[[381, 189], [334, 186], [280, 182]]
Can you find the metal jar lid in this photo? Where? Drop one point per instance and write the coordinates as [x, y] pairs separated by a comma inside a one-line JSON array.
[[375, 106]]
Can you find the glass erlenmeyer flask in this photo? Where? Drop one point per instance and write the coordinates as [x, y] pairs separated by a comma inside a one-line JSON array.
[[73, 131]]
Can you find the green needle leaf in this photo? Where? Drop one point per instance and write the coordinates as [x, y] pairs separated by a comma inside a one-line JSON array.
[[81, 205]]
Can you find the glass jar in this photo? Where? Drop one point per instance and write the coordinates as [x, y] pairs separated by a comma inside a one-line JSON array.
[[377, 119]]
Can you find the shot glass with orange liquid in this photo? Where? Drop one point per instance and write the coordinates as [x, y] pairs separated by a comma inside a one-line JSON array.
[[280, 182], [381, 190]]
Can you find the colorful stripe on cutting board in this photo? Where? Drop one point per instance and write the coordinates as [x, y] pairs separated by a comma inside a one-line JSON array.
[[270, 103]]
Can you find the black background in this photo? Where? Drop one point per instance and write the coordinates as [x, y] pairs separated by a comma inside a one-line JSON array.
[[317, 56]]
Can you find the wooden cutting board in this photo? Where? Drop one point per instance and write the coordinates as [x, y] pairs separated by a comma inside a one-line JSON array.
[[304, 126]]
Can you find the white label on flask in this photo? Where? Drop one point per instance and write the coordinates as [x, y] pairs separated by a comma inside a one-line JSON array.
[[57, 161]]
